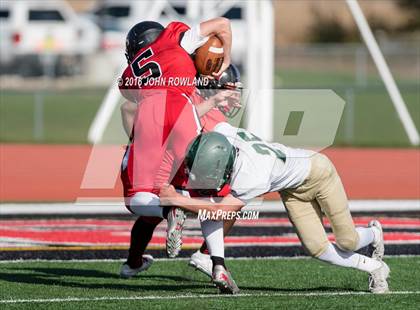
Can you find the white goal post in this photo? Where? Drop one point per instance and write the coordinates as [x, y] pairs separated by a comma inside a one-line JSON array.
[[258, 63], [387, 78]]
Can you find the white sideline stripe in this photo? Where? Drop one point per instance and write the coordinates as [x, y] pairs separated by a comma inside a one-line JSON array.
[[354, 205], [108, 207], [63, 208], [172, 259], [191, 296]]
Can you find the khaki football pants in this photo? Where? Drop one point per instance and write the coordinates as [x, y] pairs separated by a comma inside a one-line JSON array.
[[321, 192]]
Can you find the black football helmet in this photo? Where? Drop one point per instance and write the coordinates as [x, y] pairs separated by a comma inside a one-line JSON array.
[[229, 79], [230, 75], [139, 36]]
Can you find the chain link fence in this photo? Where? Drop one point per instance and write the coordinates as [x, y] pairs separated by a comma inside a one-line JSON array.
[[369, 117], [62, 109]]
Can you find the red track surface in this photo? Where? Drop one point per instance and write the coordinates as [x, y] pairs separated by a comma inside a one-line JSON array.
[[55, 172]]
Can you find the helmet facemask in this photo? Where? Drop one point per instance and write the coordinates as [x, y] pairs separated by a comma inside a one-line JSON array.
[[232, 111], [228, 80]]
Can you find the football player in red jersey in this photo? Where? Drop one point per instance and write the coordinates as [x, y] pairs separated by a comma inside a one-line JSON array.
[[206, 101], [161, 77], [165, 122]]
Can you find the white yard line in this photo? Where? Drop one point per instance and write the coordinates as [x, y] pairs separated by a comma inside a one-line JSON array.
[[192, 296], [115, 207]]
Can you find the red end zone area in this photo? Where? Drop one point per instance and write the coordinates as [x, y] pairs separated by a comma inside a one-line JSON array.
[[30, 173], [105, 232], [109, 238]]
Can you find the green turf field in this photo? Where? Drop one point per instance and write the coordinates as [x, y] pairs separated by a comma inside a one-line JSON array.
[[264, 283], [66, 115]]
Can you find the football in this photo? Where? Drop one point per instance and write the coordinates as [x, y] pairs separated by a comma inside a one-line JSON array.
[[209, 57]]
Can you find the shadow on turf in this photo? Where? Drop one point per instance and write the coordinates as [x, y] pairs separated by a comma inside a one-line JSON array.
[[73, 272], [39, 279], [50, 276]]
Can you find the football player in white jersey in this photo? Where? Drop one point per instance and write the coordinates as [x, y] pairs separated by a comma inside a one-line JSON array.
[[309, 185]]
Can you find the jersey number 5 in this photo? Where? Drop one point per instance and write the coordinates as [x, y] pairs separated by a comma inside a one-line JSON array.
[[144, 69]]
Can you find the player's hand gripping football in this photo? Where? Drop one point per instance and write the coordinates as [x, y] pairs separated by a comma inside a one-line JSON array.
[[225, 65]]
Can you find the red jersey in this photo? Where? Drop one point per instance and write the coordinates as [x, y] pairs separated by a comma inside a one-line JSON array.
[[208, 122], [211, 118], [164, 64]]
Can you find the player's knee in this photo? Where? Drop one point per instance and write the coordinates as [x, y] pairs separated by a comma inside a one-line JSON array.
[[348, 243], [144, 204], [144, 199]]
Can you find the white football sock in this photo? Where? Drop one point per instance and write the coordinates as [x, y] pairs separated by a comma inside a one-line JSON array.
[[213, 234], [335, 256], [366, 236]]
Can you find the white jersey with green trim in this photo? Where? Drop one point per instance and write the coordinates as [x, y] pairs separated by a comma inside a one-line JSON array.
[[261, 167]]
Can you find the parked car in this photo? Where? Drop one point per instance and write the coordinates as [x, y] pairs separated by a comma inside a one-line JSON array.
[[34, 33], [116, 17]]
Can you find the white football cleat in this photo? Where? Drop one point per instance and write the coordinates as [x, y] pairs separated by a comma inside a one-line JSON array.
[[378, 243], [377, 280], [224, 281], [128, 272], [202, 262], [176, 220]]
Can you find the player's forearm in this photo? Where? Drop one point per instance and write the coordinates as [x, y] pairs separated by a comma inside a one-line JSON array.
[[189, 204], [214, 26], [205, 107], [195, 205], [198, 208], [225, 35], [128, 113], [219, 26]]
